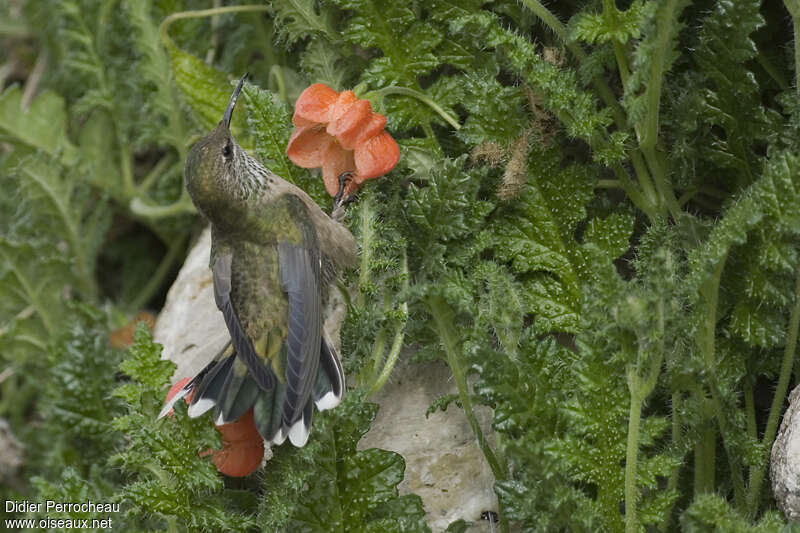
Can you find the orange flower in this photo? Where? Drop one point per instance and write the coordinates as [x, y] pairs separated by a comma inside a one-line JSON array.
[[340, 133], [242, 446]]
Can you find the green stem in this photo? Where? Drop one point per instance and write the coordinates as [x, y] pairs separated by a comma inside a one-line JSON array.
[[750, 412], [609, 184], [635, 195], [622, 63], [631, 457], [757, 474], [367, 230], [155, 281], [276, 74], [793, 6], [391, 359], [422, 97], [610, 15], [705, 451], [443, 320], [734, 463], [662, 182], [674, 477], [640, 389], [140, 208], [156, 172], [599, 83], [380, 380], [656, 76], [202, 13]]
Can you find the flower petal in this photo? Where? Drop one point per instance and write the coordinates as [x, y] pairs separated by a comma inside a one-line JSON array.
[[342, 104], [242, 447], [347, 128], [307, 146], [375, 157], [314, 105], [336, 161], [371, 128]]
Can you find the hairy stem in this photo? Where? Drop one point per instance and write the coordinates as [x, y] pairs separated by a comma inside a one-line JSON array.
[[397, 343], [631, 457], [793, 6], [666, 23], [757, 474], [640, 388], [674, 477], [422, 97], [443, 320]]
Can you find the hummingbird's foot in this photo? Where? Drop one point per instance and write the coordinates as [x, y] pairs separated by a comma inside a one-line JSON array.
[[343, 179], [340, 201]]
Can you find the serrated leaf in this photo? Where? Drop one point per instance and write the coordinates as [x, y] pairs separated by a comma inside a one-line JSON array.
[[205, 89]]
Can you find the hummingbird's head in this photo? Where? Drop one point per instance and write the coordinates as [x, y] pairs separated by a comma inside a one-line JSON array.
[[212, 162]]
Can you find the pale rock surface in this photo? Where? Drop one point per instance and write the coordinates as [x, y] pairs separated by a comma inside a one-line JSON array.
[[444, 464], [785, 463], [190, 327]]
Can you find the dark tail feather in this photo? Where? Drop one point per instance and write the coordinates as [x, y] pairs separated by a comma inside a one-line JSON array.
[[238, 394], [207, 392], [329, 388], [267, 413], [227, 385]]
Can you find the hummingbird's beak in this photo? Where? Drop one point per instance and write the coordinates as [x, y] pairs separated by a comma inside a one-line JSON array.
[[226, 118]]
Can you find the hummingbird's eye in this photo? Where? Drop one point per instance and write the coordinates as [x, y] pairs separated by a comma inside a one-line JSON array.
[[227, 150]]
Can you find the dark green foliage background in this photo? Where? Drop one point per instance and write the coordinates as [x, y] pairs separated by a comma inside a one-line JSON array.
[[596, 214]]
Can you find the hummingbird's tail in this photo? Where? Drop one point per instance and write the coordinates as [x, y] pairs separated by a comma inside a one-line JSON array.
[[226, 386]]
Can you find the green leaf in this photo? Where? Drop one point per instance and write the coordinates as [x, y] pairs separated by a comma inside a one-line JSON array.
[[205, 89], [344, 489], [43, 125], [612, 24], [298, 19], [710, 512], [145, 364]]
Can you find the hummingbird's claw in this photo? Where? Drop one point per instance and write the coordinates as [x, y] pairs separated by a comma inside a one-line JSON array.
[[340, 201]]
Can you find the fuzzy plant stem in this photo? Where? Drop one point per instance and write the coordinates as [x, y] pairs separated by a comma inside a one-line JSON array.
[[640, 388], [443, 320], [646, 200], [674, 477], [793, 6], [757, 474], [705, 448], [380, 380], [422, 97]]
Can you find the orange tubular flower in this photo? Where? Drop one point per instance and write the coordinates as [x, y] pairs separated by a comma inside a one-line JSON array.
[[242, 446], [340, 133]]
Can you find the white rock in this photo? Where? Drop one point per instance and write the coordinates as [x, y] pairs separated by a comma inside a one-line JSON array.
[[190, 327], [444, 464]]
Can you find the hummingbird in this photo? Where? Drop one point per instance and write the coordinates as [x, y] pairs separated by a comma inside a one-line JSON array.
[[274, 253]]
